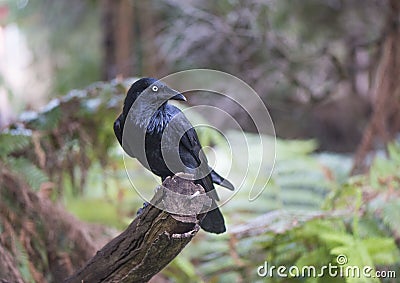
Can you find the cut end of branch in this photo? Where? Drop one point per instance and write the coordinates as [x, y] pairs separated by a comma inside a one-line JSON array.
[[183, 199]]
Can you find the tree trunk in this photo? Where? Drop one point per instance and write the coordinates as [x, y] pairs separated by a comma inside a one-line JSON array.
[[385, 120], [152, 240], [118, 38]]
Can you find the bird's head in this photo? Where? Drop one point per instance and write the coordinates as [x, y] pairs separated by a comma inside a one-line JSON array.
[[151, 91]]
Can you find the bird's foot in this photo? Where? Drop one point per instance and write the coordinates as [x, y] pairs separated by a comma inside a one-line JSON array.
[[140, 210]]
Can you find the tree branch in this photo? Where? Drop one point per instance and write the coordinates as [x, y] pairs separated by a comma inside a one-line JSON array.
[[153, 239]]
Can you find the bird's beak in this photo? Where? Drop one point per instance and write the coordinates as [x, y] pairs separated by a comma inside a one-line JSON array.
[[178, 96]]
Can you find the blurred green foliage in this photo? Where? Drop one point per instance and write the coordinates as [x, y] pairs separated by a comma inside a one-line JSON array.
[[12, 142], [357, 217], [311, 211]]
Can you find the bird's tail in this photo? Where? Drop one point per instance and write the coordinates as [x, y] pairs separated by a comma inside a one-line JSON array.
[[213, 222], [118, 128], [217, 179]]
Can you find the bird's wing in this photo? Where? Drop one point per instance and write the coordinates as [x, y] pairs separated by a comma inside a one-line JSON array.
[[217, 179], [118, 128], [191, 144], [189, 140], [118, 131]]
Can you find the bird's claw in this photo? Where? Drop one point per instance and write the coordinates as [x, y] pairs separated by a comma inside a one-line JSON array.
[[140, 210]]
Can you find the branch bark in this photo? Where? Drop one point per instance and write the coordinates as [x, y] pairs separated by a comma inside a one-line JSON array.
[[8, 267], [153, 239]]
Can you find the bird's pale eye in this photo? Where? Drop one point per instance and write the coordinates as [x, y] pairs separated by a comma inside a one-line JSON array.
[[154, 88]]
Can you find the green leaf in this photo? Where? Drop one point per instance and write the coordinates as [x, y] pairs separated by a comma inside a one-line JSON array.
[[383, 251], [394, 152], [28, 171], [186, 266], [391, 215], [13, 141], [317, 257]]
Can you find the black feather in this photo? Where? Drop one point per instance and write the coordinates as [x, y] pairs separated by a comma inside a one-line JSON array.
[[162, 121]]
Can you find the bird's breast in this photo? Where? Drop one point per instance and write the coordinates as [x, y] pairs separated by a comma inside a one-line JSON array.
[[158, 122]]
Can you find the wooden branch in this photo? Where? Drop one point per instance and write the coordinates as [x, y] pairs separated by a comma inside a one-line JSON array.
[[8, 268], [153, 239]]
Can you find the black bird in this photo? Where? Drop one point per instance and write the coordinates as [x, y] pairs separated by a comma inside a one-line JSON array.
[[160, 136]]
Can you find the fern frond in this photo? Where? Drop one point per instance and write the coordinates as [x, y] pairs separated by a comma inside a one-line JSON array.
[[12, 141], [33, 176]]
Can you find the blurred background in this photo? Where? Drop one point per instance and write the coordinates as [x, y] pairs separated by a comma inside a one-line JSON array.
[[309, 60], [327, 70]]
